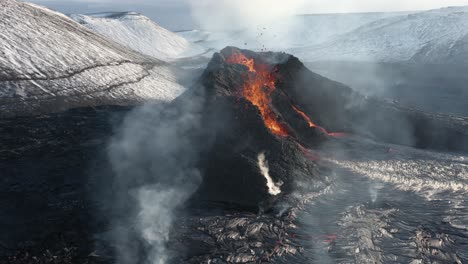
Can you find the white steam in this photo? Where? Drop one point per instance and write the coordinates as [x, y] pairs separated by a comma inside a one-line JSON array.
[[154, 159], [273, 188], [241, 14], [257, 25], [155, 219]]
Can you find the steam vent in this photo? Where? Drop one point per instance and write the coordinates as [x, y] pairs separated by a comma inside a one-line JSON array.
[[265, 113]]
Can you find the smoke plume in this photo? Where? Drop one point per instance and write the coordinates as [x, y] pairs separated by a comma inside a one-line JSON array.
[[241, 14], [257, 25], [154, 158]]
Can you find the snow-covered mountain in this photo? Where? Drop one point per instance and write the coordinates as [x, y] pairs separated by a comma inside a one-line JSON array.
[[139, 33], [49, 63], [435, 36]]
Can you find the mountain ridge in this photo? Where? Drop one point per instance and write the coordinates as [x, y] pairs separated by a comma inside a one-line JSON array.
[[139, 33], [429, 37], [51, 63]]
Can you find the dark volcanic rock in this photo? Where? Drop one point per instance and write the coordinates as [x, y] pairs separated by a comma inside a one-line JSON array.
[[231, 172], [334, 106], [45, 188], [337, 107], [230, 167], [51, 165]]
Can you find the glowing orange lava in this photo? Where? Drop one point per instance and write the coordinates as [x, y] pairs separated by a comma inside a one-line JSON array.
[[241, 59], [258, 87], [311, 124]]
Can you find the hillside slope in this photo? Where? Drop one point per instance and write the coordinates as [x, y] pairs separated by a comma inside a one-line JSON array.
[[139, 33], [434, 36], [50, 63]]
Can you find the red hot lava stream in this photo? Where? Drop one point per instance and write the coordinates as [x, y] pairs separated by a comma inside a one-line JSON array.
[[312, 124], [258, 87]]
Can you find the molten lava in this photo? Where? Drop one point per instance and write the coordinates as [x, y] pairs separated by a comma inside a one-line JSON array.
[[241, 59], [311, 124], [309, 121], [258, 87]]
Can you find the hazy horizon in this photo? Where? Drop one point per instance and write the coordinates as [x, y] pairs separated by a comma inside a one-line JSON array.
[[182, 14]]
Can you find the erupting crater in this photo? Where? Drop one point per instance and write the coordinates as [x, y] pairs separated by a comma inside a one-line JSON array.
[[259, 84]]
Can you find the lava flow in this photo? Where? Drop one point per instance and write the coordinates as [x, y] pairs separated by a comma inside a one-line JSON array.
[[258, 87], [312, 124]]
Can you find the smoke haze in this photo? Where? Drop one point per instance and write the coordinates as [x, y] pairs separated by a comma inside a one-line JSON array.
[[154, 160], [241, 14]]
